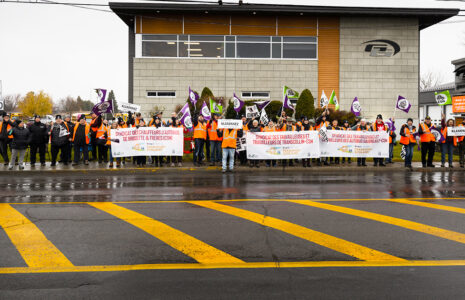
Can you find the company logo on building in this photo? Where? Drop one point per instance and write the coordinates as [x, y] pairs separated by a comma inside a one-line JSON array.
[[381, 48]]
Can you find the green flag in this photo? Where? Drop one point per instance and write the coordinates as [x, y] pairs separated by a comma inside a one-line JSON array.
[[333, 100], [215, 108], [443, 98], [291, 94]]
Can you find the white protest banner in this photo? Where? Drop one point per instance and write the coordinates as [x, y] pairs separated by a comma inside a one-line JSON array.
[[251, 112], [229, 124], [147, 141], [282, 145], [456, 131], [340, 143], [128, 107], [241, 144]]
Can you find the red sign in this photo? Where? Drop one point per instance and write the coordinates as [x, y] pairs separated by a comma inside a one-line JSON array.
[[458, 104]]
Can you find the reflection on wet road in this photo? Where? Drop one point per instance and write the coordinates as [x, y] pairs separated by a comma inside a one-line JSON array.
[[48, 187]]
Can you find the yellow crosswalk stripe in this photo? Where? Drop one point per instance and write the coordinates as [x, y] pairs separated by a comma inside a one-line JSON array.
[[34, 247], [430, 205], [198, 250], [313, 236], [436, 231]]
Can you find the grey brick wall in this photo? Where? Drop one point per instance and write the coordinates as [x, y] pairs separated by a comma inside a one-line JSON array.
[[377, 81], [223, 77]]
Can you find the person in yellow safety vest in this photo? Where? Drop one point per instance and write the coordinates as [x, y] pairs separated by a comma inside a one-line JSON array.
[[285, 124], [408, 139], [113, 126], [200, 136], [379, 125], [449, 142], [5, 139], [81, 140], [101, 142], [157, 160], [427, 140], [229, 146], [461, 145], [215, 140], [270, 127]]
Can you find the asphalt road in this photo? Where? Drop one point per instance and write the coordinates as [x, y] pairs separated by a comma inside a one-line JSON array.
[[204, 235]]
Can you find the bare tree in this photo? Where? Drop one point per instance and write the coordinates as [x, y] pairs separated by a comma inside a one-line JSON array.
[[11, 102], [430, 79]]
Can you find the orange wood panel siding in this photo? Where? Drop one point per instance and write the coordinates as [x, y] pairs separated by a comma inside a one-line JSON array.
[[297, 26], [253, 25], [328, 56], [206, 24], [161, 24]]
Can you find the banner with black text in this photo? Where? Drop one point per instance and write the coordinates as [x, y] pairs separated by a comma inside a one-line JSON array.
[[340, 143]]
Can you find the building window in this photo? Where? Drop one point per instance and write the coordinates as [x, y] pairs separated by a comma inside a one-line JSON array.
[[161, 94], [228, 46], [256, 95]]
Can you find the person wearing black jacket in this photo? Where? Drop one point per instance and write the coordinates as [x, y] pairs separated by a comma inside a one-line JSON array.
[[21, 139], [5, 139], [157, 160], [305, 126], [59, 139], [70, 125], [39, 138]]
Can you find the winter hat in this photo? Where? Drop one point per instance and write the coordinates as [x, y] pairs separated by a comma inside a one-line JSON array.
[[379, 117], [82, 117], [58, 117], [120, 120]]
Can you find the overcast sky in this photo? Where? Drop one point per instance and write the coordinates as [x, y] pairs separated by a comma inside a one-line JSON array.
[[69, 51]]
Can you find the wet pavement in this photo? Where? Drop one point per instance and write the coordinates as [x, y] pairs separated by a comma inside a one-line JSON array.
[[199, 234]]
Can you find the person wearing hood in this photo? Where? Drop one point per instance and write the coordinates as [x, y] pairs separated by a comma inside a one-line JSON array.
[[21, 140], [5, 139], [39, 139], [59, 139], [379, 125]]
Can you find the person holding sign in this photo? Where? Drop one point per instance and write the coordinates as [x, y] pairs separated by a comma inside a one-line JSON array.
[[334, 126], [379, 125], [229, 145], [408, 140], [322, 122], [254, 126], [59, 139], [305, 126], [461, 145], [361, 161], [447, 145], [427, 140], [346, 126], [270, 127]]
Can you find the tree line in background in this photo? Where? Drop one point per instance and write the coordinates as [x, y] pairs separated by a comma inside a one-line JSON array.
[[42, 104]]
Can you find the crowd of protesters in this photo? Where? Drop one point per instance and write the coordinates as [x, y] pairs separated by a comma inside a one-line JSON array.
[[92, 140]]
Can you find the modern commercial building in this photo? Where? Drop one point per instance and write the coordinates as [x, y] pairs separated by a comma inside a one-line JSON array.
[[428, 105], [256, 49]]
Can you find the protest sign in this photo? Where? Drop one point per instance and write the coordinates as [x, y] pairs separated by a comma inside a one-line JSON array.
[[147, 141], [229, 124], [282, 145], [339, 143]]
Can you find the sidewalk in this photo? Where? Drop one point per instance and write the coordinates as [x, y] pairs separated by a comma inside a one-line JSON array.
[[189, 166]]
